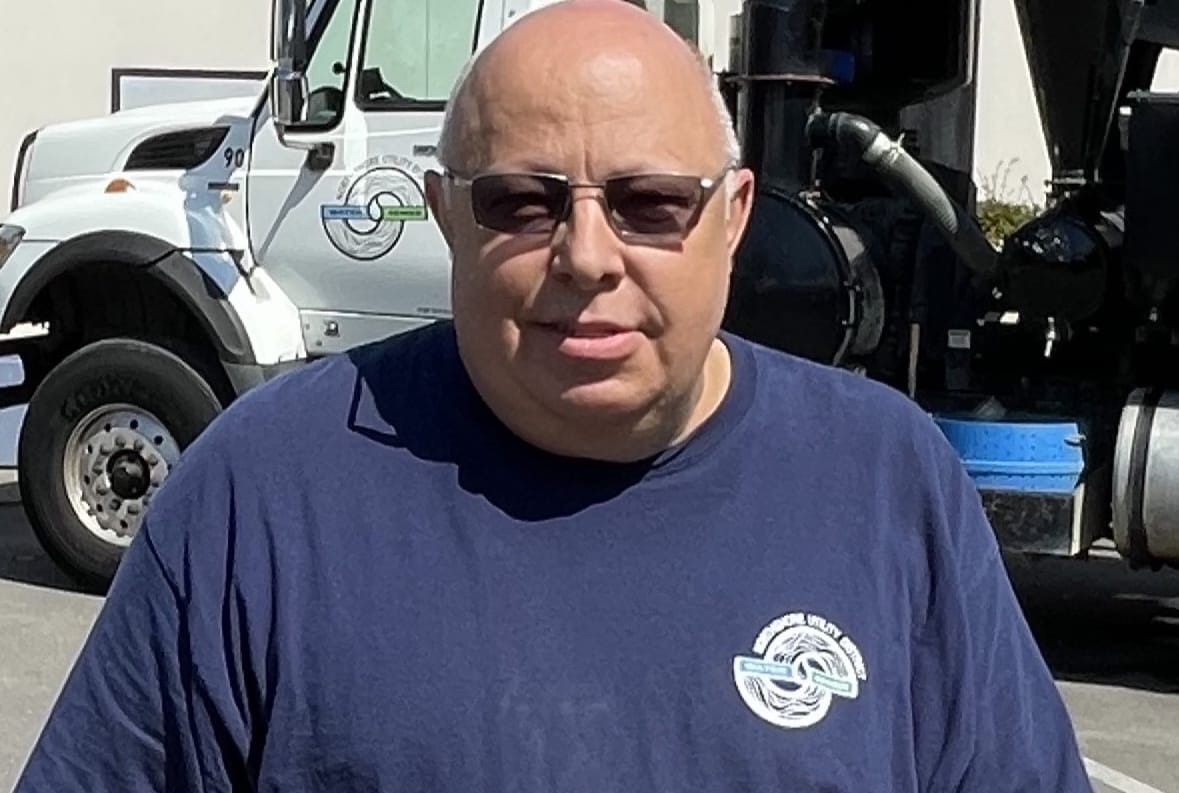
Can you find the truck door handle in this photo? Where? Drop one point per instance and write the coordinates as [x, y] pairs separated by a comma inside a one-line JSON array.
[[424, 149]]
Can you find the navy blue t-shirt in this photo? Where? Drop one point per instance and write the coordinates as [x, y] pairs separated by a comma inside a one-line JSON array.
[[358, 580]]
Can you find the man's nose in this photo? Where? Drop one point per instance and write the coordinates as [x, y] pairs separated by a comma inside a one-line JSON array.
[[588, 252]]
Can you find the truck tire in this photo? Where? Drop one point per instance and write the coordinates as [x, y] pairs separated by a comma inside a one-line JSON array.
[[99, 436]]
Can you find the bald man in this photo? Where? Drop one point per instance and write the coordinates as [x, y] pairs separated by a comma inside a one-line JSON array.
[[577, 540]]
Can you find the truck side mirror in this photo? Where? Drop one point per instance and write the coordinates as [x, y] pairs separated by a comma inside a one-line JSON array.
[[288, 96], [288, 51]]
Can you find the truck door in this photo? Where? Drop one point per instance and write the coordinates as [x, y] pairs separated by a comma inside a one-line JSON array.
[[337, 211]]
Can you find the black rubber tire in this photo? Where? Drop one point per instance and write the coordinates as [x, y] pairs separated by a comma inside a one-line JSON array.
[[104, 372]]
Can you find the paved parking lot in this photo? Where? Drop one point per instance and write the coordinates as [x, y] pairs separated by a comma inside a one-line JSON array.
[[1110, 636]]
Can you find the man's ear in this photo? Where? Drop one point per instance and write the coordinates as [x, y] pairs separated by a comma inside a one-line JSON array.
[[440, 205], [739, 193]]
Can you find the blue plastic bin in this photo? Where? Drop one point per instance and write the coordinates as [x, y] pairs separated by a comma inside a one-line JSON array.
[[1028, 456]]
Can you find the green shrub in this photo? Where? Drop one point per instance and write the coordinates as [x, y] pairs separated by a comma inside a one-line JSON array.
[[998, 213], [999, 218]]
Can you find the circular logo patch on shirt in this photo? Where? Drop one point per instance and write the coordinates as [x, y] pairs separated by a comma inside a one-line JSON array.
[[802, 663]]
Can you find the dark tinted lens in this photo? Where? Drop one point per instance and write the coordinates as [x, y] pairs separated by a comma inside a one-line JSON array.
[[659, 205], [519, 203]]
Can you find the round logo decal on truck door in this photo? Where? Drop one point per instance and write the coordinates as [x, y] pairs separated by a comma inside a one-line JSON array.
[[373, 207]]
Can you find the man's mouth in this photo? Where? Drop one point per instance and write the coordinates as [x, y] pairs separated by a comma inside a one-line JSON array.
[[589, 330], [594, 339]]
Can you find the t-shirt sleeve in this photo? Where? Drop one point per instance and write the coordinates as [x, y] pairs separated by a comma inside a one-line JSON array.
[[988, 715], [149, 704]]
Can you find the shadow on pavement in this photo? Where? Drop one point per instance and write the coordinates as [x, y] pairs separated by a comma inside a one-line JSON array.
[[1099, 622], [21, 558]]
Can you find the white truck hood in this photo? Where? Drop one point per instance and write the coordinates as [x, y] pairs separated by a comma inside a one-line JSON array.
[[72, 151]]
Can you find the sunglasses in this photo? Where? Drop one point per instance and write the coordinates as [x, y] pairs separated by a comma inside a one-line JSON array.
[[657, 208]]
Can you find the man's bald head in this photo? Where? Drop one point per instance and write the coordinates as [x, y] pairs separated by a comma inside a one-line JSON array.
[[587, 38]]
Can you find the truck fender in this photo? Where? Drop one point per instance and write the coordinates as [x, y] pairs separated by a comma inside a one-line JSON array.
[[182, 213], [172, 267]]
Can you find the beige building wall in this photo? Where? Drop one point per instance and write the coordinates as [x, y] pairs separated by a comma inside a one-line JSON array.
[[56, 56]]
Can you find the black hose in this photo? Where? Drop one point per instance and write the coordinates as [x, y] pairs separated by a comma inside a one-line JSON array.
[[906, 177]]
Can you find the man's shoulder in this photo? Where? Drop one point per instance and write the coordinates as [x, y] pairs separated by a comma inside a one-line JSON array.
[[314, 405], [316, 391], [284, 434], [833, 398], [844, 420]]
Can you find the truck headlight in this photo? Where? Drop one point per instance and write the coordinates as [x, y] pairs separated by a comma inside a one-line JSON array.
[[10, 237]]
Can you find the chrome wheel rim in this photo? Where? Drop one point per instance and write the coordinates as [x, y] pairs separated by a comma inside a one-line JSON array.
[[115, 461]]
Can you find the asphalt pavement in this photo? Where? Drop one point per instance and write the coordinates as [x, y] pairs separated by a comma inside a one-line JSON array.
[[1111, 637]]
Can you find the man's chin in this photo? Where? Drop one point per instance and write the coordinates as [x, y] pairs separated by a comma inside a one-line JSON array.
[[609, 401]]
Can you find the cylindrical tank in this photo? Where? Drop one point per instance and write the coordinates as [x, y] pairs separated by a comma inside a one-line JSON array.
[[781, 74], [1146, 478]]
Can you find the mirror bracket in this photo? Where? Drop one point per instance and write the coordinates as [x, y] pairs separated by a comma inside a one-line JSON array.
[[320, 156]]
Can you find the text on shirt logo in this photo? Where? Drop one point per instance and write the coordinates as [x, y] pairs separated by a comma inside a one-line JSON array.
[[801, 664]]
